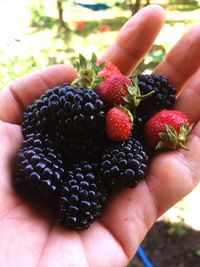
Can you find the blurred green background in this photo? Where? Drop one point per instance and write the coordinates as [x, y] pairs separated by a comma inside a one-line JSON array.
[[38, 33]]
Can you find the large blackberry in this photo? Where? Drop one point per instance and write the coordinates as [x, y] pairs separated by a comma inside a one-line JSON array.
[[80, 128], [123, 165], [39, 168], [73, 115], [82, 197]]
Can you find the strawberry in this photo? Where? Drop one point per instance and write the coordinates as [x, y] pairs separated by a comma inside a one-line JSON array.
[[108, 70], [167, 129], [119, 123], [114, 89]]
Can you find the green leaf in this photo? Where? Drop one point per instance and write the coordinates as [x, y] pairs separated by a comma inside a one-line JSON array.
[[183, 146], [94, 58], [190, 128], [88, 72], [161, 146], [82, 60], [198, 251], [126, 98], [130, 88], [127, 111], [101, 66], [164, 136], [135, 81]]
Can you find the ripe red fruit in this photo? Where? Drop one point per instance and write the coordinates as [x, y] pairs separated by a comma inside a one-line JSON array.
[[114, 89], [167, 129], [118, 124], [108, 70]]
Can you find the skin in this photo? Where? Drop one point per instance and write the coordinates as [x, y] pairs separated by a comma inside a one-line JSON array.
[[31, 238]]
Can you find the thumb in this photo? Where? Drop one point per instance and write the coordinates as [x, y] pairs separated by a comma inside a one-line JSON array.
[[10, 141]]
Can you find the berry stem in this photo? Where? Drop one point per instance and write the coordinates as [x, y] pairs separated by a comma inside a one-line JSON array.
[[134, 97], [171, 139], [146, 95], [88, 71]]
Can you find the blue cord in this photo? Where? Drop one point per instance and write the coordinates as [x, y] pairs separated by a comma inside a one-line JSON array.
[[144, 258]]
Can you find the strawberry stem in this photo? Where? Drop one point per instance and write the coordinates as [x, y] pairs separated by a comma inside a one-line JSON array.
[[87, 72], [127, 111], [134, 97], [171, 139], [146, 95]]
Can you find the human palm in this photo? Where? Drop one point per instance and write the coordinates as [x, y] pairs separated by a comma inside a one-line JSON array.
[[31, 238]]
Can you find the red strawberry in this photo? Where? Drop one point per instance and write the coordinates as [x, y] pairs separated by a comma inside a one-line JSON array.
[[114, 89], [119, 124], [108, 70], [167, 129]]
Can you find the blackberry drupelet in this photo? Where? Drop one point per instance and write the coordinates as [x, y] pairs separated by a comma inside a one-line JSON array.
[[39, 168], [123, 165], [82, 197], [139, 122], [74, 116]]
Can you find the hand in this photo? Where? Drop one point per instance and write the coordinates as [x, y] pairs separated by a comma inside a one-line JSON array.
[[29, 239]]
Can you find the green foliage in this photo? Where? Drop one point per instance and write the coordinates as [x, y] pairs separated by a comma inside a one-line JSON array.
[[152, 59], [183, 5], [177, 229], [38, 17], [197, 252], [15, 64], [182, 2]]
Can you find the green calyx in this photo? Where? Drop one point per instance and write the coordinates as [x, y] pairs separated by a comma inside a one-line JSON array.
[[171, 139], [134, 97], [127, 112], [87, 72]]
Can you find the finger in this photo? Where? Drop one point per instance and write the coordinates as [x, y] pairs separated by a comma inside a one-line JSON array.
[[183, 60], [136, 38], [21, 92], [172, 175], [8, 132], [189, 100]]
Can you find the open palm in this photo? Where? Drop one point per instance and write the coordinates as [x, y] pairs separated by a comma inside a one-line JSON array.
[[30, 239]]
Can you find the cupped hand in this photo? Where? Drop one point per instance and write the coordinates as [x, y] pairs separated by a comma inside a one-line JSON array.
[[29, 239]]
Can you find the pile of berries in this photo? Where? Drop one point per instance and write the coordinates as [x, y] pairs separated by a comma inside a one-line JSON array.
[[85, 139]]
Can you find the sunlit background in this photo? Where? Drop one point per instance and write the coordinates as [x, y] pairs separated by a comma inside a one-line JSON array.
[[37, 33]]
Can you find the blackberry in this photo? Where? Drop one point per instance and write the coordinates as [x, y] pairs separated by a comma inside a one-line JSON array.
[[140, 120], [81, 124], [164, 93], [82, 197], [74, 116], [42, 112], [123, 165], [163, 98], [39, 168]]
